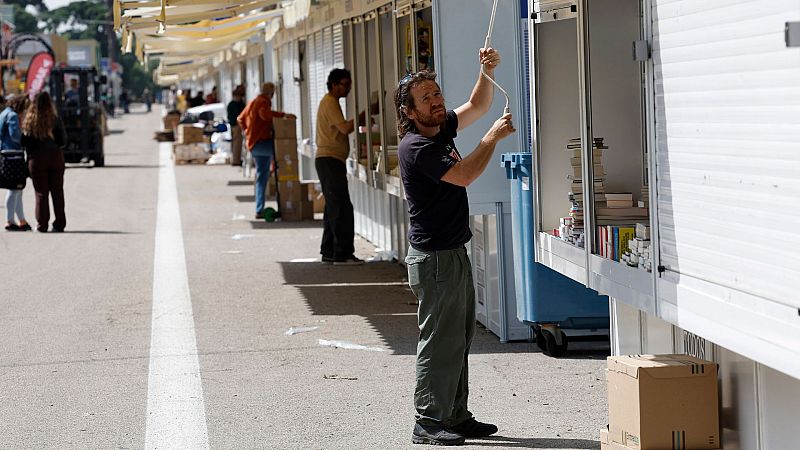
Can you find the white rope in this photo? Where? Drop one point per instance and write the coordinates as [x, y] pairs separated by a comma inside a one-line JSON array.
[[486, 45]]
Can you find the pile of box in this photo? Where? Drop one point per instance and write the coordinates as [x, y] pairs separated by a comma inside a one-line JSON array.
[[658, 402], [638, 254], [296, 198], [190, 144]]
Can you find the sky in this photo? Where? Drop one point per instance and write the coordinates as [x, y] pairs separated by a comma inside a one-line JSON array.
[[52, 4]]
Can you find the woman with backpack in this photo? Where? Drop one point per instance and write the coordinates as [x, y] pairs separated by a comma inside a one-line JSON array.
[[11, 139], [43, 137]]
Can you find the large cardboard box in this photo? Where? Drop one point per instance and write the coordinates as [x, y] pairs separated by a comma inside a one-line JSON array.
[[189, 134], [171, 121], [606, 444], [288, 168], [284, 128], [295, 205], [189, 152], [658, 402], [285, 147]]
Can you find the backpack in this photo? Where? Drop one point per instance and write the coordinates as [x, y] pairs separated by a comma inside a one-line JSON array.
[[13, 169]]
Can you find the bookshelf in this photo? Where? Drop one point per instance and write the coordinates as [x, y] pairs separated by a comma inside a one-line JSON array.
[[601, 91]]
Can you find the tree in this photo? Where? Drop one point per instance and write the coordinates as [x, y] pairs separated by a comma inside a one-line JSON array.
[[24, 21], [90, 19]]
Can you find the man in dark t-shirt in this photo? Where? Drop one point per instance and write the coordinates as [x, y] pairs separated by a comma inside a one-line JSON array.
[[435, 177]]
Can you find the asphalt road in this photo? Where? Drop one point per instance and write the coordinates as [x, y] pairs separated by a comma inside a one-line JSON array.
[[78, 329]]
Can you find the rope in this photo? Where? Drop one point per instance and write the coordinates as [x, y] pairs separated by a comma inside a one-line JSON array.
[[486, 44]]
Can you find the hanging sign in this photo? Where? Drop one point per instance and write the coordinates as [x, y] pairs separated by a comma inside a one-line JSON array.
[[38, 72]]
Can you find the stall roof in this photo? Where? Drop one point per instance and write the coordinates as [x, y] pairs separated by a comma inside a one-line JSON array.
[[187, 33]]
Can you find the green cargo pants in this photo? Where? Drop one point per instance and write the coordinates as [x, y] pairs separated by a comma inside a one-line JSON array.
[[442, 282]]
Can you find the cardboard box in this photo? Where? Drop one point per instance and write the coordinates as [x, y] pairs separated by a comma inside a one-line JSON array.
[[317, 199], [189, 134], [284, 128], [189, 152], [288, 168], [658, 402], [171, 121], [606, 444], [295, 203], [285, 147]]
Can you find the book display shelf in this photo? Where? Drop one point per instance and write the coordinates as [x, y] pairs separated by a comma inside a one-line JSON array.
[[590, 113]]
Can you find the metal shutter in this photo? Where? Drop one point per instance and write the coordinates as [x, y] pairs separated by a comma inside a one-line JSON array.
[[338, 55], [289, 71], [727, 102]]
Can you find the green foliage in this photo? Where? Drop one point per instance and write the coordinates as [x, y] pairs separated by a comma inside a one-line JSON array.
[[136, 77], [24, 21], [86, 19]]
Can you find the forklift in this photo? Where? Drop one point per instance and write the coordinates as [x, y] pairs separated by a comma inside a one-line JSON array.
[[81, 113]]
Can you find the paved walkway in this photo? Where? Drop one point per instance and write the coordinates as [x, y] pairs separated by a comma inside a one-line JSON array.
[[75, 358]]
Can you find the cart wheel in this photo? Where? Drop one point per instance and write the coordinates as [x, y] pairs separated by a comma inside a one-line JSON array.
[[553, 349], [270, 214], [540, 340]]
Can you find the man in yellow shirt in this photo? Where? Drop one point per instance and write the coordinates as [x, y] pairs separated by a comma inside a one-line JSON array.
[[332, 150]]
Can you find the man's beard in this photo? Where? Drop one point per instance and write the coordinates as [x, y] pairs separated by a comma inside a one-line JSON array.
[[430, 120]]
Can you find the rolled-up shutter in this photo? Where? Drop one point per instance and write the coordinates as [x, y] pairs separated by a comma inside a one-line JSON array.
[[727, 138]]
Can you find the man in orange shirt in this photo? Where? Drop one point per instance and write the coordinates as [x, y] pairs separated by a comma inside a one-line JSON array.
[[256, 123]]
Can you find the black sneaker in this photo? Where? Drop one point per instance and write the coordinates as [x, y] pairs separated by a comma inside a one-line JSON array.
[[471, 428], [350, 261], [435, 435], [326, 260]]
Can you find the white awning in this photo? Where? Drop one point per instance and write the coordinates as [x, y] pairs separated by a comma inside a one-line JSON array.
[[187, 34]]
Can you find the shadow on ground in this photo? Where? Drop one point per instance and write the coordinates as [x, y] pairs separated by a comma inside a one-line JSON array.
[[240, 182], [97, 232], [379, 293], [130, 166], [280, 225], [509, 442]]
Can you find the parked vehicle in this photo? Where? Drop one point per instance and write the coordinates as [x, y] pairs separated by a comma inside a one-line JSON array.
[[76, 94]]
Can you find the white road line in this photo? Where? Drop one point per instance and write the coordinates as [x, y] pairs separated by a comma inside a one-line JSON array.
[[176, 416]]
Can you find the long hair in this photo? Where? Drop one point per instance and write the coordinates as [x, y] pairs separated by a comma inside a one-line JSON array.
[[404, 101], [19, 104], [41, 117]]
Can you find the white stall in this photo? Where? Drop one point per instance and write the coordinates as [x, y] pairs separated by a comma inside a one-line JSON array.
[[699, 100]]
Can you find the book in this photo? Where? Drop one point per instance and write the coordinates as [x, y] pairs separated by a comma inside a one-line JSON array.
[[598, 171], [577, 187], [575, 161], [579, 179], [628, 212], [619, 196], [596, 153], [619, 203], [625, 235]]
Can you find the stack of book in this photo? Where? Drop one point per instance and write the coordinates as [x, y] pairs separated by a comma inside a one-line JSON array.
[[638, 254], [572, 230], [645, 201], [620, 216]]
